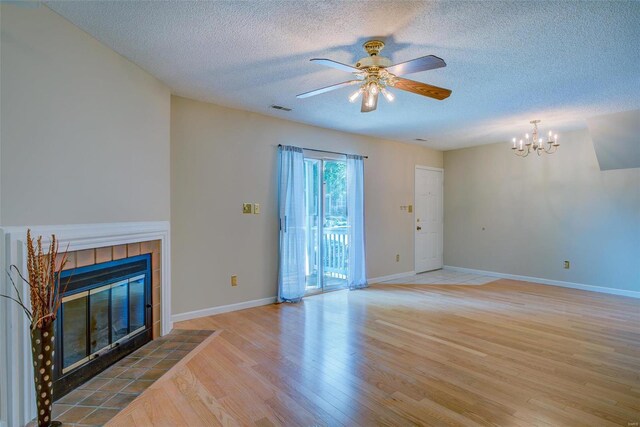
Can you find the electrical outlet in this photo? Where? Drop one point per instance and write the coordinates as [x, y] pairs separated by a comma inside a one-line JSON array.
[[397, 257], [247, 208], [567, 265], [234, 280], [256, 208]]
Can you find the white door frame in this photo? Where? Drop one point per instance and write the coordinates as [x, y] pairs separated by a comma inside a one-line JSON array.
[[413, 224]]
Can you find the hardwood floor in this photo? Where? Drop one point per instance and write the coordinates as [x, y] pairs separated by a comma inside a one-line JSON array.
[[507, 353]]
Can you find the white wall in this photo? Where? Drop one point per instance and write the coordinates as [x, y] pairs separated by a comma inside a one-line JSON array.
[[539, 211], [84, 132], [222, 157]]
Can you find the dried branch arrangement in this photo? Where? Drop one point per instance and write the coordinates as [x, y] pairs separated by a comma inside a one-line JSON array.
[[43, 282], [46, 296]]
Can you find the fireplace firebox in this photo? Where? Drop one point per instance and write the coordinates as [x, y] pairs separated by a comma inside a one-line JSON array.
[[105, 315]]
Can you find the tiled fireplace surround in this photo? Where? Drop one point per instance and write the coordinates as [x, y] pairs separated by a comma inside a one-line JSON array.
[[87, 244], [92, 256]]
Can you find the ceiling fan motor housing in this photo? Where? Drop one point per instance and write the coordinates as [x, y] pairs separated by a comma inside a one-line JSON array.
[[373, 61]]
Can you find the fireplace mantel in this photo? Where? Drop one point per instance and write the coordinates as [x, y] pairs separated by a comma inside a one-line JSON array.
[[17, 399]]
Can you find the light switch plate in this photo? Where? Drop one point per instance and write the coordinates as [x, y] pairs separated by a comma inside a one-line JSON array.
[[256, 208], [247, 208], [410, 208], [234, 280]]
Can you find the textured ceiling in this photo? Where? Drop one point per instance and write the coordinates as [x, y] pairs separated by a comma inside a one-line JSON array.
[[507, 62]]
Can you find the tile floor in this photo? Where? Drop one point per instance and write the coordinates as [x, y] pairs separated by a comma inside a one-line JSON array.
[[101, 398], [444, 277]]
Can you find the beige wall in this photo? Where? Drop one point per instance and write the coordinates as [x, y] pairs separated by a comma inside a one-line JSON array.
[[222, 157], [538, 212], [84, 132]]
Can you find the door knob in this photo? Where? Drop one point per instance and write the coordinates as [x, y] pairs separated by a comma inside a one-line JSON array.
[[418, 228]]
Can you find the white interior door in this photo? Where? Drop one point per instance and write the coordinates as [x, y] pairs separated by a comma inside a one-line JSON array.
[[428, 219]]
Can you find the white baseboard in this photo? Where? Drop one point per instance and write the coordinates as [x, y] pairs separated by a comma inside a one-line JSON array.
[[222, 309], [600, 289], [391, 277]]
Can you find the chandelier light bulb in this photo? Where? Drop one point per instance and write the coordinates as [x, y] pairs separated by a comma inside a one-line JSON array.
[[514, 143], [390, 97], [373, 89]]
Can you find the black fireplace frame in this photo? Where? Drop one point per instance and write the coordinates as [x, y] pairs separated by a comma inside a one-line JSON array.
[[83, 279]]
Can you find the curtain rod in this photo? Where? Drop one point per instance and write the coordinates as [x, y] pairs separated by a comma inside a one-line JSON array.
[[325, 151]]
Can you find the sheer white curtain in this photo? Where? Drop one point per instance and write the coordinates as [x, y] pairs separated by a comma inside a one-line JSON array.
[[291, 273], [357, 272]]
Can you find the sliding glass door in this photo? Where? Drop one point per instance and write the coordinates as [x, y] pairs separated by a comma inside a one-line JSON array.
[[334, 225], [313, 213], [326, 224]]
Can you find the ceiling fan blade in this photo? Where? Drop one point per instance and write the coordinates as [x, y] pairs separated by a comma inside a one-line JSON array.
[[425, 63], [422, 88], [337, 65], [366, 105], [327, 89]]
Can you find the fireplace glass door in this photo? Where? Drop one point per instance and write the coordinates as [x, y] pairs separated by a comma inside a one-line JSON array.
[[99, 319], [119, 312], [136, 304], [74, 319]]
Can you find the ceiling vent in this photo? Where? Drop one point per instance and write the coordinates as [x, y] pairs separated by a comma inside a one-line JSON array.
[[279, 107], [420, 140]]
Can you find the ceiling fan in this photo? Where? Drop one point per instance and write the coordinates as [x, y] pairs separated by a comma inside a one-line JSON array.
[[375, 74]]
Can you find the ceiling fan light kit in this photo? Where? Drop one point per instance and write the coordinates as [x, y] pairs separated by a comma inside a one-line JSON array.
[[375, 74], [535, 143]]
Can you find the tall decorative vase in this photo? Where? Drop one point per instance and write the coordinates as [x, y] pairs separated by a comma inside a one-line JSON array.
[[45, 292], [42, 347]]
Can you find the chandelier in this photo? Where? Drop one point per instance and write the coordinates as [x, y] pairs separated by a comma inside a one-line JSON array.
[[535, 143]]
